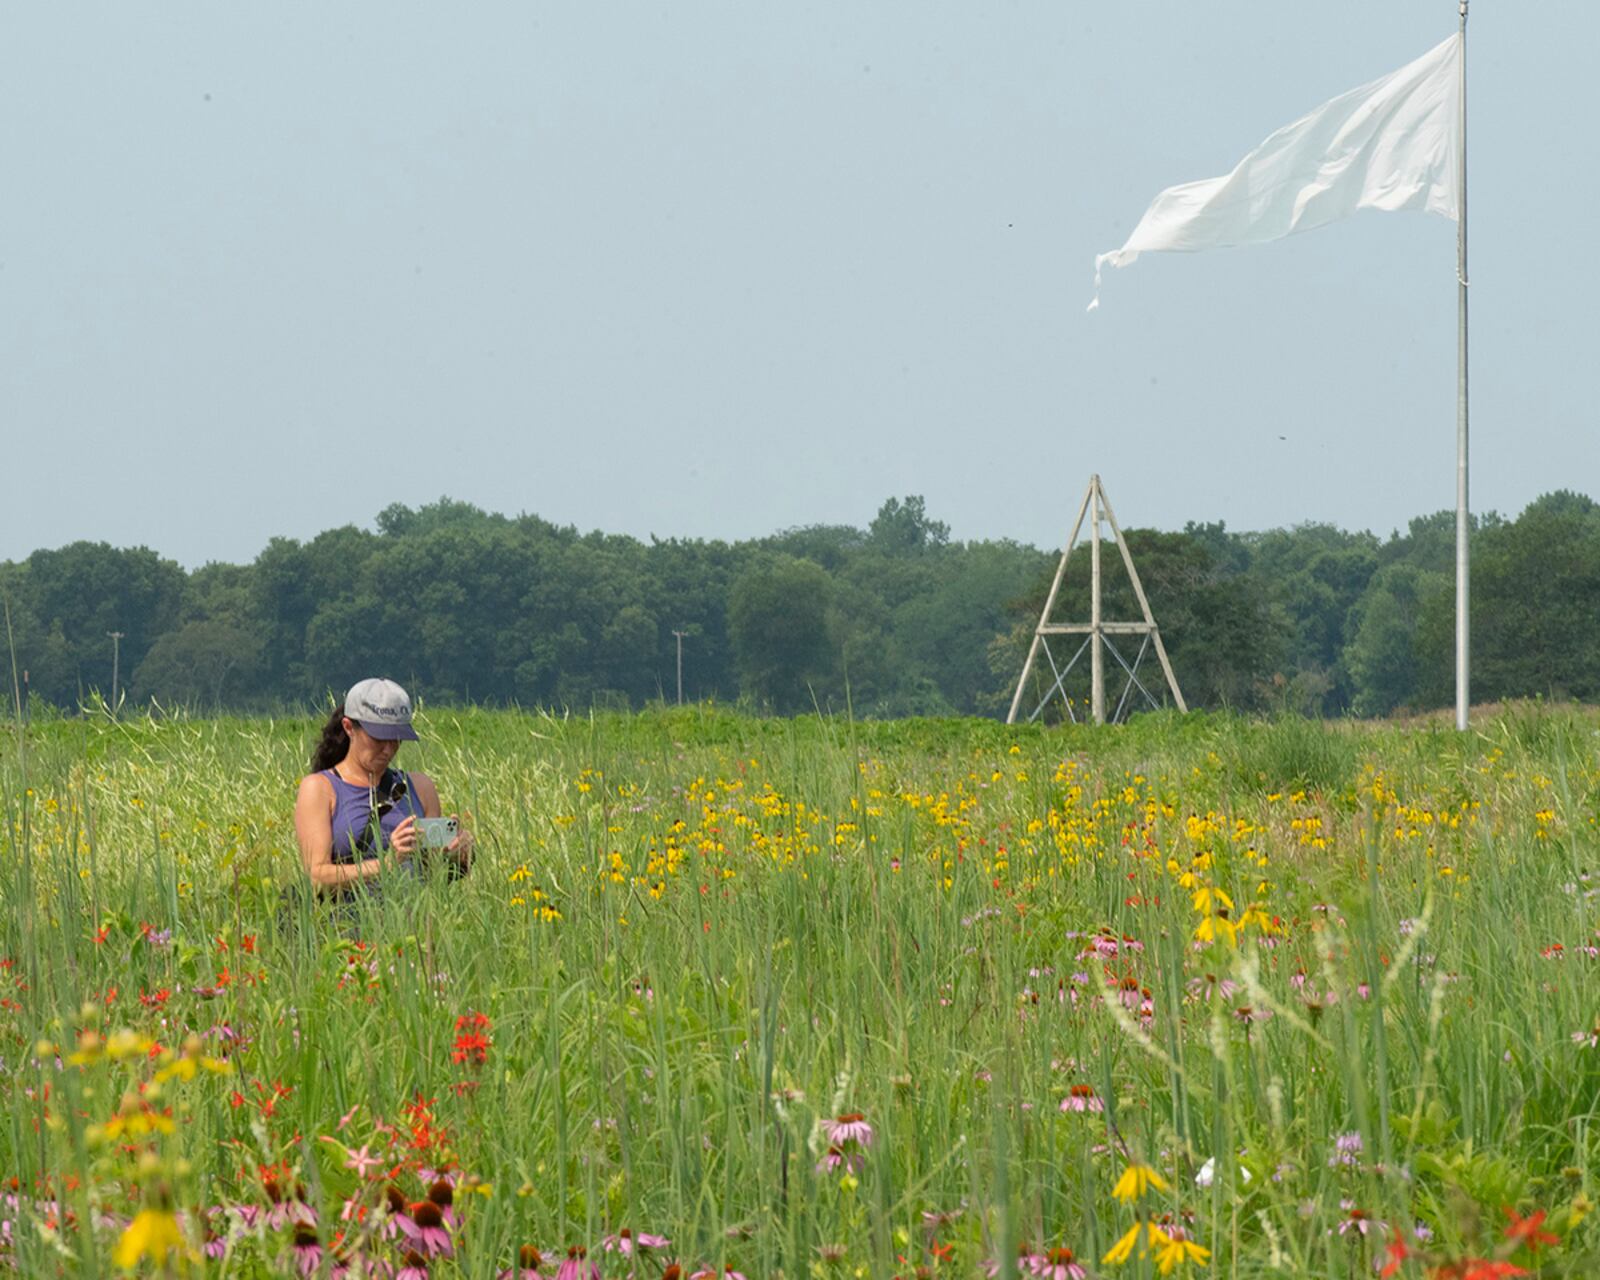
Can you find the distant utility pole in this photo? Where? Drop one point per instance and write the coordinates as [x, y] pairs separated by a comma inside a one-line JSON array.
[[680, 635], [116, 665]]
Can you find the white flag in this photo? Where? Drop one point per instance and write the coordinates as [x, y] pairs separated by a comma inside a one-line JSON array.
[[1391, 144]]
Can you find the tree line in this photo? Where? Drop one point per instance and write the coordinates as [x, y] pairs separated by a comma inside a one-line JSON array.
[[894, 619]]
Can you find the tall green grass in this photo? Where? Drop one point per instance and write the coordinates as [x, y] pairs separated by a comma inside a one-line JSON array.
[[866, 917]]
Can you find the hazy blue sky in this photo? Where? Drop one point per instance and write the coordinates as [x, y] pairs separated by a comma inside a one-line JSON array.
[[712, 269]]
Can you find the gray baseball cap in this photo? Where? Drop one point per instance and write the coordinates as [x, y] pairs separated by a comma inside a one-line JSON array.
[[382, 708]]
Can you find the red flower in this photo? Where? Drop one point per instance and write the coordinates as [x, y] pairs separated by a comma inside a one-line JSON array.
[[1527, 1229], [472, 1044], [1479, 1269], [1398, 1252]]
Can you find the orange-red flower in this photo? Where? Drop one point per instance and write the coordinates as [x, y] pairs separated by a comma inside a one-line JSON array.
[[472, 1041], [1526, 1230], [1479, 1269]]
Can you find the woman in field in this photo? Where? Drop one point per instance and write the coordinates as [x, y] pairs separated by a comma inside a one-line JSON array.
[[354, 804]]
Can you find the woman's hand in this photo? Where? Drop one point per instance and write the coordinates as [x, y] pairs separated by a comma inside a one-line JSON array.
[[403, 840], [461, 846]]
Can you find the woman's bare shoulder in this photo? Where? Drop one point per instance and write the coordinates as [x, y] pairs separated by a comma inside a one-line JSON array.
[[316, 784]]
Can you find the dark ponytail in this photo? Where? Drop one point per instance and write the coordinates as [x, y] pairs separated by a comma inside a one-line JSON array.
[[333, 745]]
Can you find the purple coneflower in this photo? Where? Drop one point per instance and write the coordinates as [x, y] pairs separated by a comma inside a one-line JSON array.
[[577, 1265], [1057, 1264], [443, 1194], [626, 1241], [425, 1230], [1357, 1219], [527, 1268], [307, 1251], [294, 1212], [416, 1267], [1082, 1097], [836, 1157], [357, 1266], [850, 1127], [1027, 1259]]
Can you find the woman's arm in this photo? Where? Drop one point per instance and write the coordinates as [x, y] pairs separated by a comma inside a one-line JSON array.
[[313, 829]]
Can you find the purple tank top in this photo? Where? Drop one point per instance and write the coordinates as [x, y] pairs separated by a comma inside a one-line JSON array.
[[352, 814]]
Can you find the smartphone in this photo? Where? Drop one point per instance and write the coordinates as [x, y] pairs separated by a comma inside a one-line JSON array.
[[436, 833]]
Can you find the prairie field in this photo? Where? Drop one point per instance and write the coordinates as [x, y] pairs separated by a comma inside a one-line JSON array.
[[811, 998]]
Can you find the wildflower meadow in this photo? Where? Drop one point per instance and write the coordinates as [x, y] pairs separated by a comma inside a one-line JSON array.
[[730, 996]]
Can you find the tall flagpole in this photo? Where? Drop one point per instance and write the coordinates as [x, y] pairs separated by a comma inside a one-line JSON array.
[[1463, 522]]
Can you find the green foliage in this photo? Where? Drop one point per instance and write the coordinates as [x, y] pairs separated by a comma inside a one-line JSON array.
[[1292, 753], [778, 623], [1384, 657], [892, 620]]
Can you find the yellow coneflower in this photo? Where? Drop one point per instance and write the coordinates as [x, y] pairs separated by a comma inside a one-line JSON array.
[[1123, 1249], [1208, 896], [1219, 926], [1174, 1251], [1136, 1179], [152, 1234]]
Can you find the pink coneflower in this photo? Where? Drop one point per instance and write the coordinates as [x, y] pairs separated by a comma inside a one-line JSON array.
[[837, 1157], [577, 1265], [1587, 1039], [626, 1241], [1057, 1264], [359, 1267], [711, 1273], [288, 1208], [443, 1194], [1027, 1259], [424, 1230], [215, 1247], [850, 1127], [1357, 1220], [1082, 1097], [307, 1251], [527, 1268], [416, 1267], [395, 1209]]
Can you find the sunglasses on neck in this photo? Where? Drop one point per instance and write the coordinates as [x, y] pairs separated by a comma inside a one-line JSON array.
[[388, 793]]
